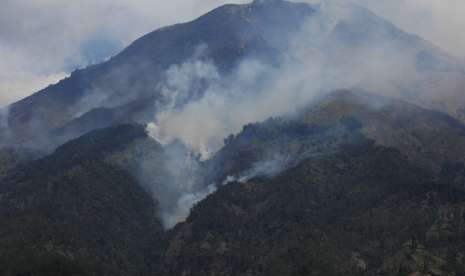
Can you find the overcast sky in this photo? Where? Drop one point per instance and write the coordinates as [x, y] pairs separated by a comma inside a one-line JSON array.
[[42, 40]]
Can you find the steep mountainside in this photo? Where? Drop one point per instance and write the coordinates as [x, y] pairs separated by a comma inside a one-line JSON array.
[[79, 211], [364, 210]]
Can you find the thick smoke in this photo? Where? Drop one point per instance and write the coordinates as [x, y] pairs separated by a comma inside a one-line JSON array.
[[174, 178], [320, 60], [201, 107], [183, 183]]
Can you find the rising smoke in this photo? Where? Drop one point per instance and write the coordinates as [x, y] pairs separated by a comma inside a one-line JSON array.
[[341, 46], [321, 59]]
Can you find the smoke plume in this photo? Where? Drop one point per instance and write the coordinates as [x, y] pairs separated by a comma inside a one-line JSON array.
[[201, 107]]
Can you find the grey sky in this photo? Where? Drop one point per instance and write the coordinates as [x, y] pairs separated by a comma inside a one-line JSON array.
[[41, 40]]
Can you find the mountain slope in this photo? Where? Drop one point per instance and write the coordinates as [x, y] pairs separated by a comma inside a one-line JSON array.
[[11, 157], [428, 138], [355, 185], [364, 210], [79, 212]]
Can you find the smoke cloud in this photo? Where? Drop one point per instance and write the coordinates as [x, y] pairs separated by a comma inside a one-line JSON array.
[[320, 59]]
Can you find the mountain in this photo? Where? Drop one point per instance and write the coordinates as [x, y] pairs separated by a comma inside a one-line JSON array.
[[130, 86], [359, 169], [295, 196]]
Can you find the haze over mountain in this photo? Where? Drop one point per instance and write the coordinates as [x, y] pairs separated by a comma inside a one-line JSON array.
[[268, 138], [48, 44], [325, 42]]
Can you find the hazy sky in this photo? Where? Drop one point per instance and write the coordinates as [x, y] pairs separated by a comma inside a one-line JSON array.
[[42, 40]]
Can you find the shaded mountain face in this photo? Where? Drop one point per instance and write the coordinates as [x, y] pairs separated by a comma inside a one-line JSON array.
[[11, 157], [79, 211]]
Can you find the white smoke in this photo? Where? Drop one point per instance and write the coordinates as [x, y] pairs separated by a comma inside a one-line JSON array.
[[269, 167], [184, 205], [256, 91], [174, 179], [316, 62], [179, 87]]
